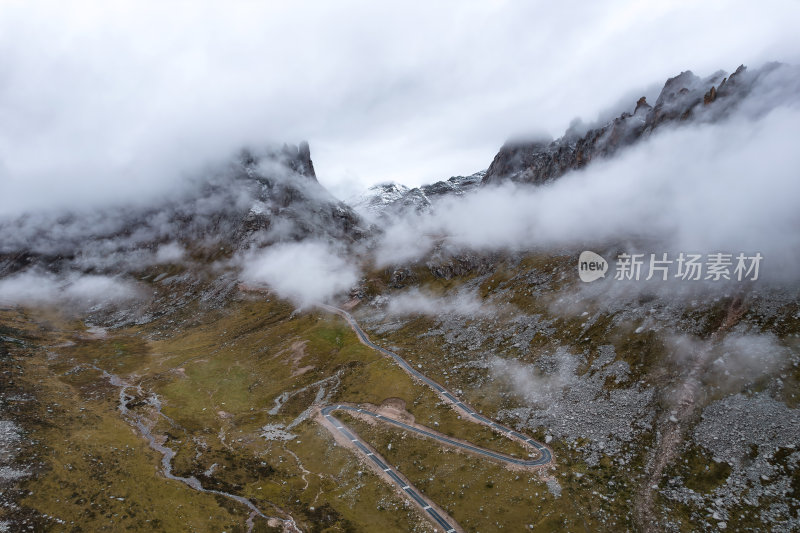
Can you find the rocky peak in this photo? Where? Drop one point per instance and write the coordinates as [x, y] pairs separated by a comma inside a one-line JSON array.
[[642, 106], [378, 197], [678, 87], [298, 159]]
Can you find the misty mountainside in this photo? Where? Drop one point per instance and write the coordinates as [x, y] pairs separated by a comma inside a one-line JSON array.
[[167, 362], [256, 199]]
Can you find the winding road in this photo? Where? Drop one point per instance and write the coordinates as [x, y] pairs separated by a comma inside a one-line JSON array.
[[437, 516]]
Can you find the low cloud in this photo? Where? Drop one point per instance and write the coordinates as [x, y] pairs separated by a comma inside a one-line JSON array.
[[80, 291], [737, 360], [537, 386], [416, 302], [170, 253], [303, 272]]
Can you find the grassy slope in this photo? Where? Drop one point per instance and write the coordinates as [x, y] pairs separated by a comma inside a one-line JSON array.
[[218, 374]]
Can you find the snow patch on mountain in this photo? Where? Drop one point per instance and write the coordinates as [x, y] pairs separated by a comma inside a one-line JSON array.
[[394, 199]]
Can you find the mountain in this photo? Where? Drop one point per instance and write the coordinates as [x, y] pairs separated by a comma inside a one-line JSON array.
[[392, 199], [256, 199], [685, 98], [378, 198]]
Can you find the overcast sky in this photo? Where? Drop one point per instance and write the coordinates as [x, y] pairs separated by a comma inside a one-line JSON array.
[[108, 100]]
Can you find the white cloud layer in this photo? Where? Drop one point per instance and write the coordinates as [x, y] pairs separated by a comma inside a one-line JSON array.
[[531, 383], [119, 99], [79, 291], [305, 272], [414, 302]]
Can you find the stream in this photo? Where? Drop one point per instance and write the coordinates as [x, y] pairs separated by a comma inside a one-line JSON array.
[[167, 454]]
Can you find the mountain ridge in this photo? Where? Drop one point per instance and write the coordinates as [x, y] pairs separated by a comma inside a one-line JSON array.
[[683, 98]]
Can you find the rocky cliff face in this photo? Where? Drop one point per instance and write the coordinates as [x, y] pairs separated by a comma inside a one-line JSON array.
[[686, 97]]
